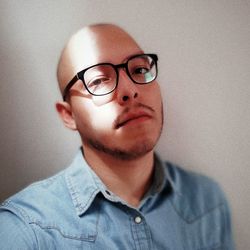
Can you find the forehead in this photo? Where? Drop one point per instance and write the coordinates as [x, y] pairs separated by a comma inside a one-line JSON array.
[[102, 44]]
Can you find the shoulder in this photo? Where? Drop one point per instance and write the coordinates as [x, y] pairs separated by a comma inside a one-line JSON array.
[[26, 208], [32, 203], [195, 195], [191, 183]]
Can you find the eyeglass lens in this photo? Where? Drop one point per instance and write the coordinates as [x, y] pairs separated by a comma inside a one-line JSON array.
[[142, 69], [102, 79]]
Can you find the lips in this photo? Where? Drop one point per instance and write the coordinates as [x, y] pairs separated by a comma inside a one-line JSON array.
[[139, 116]]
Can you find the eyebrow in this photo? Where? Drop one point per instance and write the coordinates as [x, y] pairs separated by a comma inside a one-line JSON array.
[[123, 61], [128, 57]]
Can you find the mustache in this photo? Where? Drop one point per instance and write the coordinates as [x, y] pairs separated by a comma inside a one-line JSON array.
[[128, 109]]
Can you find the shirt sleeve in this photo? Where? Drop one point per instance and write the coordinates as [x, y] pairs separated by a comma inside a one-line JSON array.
[[228, 238], [15, 232]]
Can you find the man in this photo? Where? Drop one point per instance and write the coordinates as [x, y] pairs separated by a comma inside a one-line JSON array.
[[117, 193]]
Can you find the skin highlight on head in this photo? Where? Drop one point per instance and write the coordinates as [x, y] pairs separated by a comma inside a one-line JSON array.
[[67, 65]]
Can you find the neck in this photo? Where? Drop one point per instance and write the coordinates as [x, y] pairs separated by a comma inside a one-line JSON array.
[[128, 179]]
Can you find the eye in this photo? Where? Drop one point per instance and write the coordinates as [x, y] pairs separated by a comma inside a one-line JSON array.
[[141, 70], [98, 81]]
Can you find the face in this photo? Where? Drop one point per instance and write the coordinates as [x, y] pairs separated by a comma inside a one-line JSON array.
[[125, 123]]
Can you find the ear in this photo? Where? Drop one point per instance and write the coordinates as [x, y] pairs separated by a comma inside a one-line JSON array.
[[65, 112]]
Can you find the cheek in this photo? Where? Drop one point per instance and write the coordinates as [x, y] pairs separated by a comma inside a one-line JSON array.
[[102, 100], [156, 101], [153, 95], [98, 118]]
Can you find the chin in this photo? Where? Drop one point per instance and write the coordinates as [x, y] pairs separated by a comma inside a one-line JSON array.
[[141, 148], [126, 151]]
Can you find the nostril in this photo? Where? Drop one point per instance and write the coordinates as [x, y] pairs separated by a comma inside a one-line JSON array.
[[125, 98]]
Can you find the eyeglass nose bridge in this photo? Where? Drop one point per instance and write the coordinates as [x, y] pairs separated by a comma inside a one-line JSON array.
[[123, 66]]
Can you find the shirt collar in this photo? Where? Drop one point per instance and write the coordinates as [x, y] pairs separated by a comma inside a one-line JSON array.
[[81, 184], [84, 184]]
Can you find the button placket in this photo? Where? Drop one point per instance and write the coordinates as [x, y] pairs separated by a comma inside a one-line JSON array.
[[141, 232]]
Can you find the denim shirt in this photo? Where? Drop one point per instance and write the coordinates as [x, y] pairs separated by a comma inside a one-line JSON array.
[[74, 210]]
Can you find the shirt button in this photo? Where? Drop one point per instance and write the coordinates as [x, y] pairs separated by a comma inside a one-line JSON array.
[[138, 219]]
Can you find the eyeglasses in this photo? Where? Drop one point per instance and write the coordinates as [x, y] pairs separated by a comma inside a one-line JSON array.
[[102, 79]]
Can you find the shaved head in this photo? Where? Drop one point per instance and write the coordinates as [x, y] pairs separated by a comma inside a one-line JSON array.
[[69, 63]]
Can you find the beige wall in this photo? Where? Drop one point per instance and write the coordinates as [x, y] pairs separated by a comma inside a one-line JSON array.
[[204, 53]]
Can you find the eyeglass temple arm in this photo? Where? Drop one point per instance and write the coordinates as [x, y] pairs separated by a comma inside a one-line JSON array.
[[155, 57], [68, 86]]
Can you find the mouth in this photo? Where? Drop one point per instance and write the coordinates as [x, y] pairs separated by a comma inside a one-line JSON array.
[[133, 119]]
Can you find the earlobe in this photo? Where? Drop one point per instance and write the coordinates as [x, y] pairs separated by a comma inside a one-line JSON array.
[[65, 112]]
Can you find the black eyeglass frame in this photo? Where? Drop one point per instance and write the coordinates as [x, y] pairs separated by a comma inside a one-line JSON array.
[[80, 75]]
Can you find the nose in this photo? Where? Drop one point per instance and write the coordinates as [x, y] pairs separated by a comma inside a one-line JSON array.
[[127, 90]]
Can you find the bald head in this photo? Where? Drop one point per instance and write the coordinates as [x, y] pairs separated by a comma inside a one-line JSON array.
[[86, 48]]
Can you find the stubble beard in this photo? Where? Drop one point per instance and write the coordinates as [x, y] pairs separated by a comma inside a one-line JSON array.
[[135, 152]]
